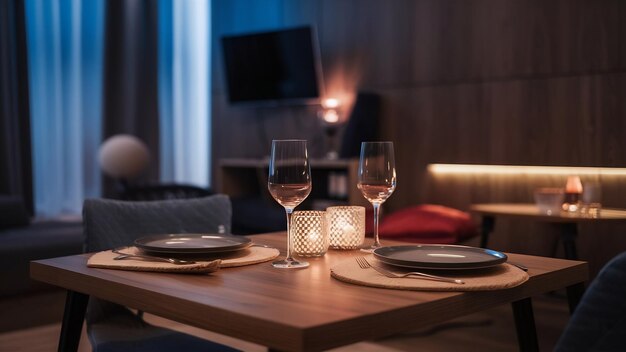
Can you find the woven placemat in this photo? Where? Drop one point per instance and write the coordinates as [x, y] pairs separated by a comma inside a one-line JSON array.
[[496, 278], [252, 255]]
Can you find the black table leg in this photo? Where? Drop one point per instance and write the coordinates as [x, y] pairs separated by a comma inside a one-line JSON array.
[[525, 325], [487, 228], [569, 232], [574, 294], [75, 307]]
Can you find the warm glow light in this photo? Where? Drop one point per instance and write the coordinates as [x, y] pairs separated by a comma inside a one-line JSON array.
[[346, 226], [331, 116], [523, 170], [331, 103], [309, 234], [573, 185]]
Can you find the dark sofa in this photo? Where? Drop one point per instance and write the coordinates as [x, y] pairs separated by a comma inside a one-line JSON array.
[[22, 240]]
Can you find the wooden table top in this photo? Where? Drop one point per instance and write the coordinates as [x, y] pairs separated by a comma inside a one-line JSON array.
[[522, 210], [294, 310]]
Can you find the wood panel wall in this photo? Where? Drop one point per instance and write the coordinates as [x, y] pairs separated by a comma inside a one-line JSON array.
[[526, 82]]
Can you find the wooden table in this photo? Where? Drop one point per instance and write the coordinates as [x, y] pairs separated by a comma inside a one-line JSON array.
[[567, 221], [294, 310]]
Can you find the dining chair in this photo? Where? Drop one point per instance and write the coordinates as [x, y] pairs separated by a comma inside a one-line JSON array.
[[599, 321], [113, 223]]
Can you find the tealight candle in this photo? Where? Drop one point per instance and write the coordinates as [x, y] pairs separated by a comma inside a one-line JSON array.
[[346, 226], [308, 236]]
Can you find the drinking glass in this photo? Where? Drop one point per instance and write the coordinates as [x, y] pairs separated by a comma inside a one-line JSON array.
[[377, 178], [289, 182]]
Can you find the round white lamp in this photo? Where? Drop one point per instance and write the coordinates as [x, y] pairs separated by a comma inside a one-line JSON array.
[[123, 156]]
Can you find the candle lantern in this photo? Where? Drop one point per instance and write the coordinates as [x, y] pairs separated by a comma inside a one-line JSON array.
[[346, 226], [573, 190], [309, 237]]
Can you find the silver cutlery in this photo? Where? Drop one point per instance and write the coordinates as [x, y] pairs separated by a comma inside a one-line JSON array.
[[364, 264], [519, 266], [123, 255]]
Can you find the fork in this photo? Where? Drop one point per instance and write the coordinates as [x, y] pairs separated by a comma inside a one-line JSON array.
[[364, 264], [123, 255]]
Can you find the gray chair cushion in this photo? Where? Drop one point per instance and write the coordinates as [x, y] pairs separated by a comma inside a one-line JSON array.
[[113, 223], [123, 331]]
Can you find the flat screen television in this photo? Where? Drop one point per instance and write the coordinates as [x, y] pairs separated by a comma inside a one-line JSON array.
[[277, 67]]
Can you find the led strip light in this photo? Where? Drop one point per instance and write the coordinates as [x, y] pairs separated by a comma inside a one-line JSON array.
[[523, 170]]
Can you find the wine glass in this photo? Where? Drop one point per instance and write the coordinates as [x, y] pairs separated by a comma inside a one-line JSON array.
[[289, 182], [377, 178]]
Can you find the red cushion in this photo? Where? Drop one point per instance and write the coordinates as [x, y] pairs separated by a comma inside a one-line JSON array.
[[428, 223]]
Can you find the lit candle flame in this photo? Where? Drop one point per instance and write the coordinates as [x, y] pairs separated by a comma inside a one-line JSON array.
[[573, 185], [314, 236], [331, 116]]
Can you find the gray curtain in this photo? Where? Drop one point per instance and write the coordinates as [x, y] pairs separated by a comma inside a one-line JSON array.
[[130, 77], [15, 150]]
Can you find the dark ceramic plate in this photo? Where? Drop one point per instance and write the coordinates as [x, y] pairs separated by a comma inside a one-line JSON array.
[[442, 257], [192, 243]]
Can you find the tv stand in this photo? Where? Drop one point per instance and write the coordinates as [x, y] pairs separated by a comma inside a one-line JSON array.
[[334, 181]]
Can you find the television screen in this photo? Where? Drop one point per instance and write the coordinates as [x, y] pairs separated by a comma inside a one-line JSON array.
[[271, 67]]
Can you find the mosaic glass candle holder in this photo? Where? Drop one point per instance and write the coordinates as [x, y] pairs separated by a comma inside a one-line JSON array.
[[309, 237], [346, 226]]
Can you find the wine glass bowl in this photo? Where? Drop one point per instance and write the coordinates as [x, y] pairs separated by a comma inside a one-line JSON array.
[[376, 193], [376, 178], [289, 183]]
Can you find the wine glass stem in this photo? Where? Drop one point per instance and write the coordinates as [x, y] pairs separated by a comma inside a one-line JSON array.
[[289, 211], [376, 215]]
